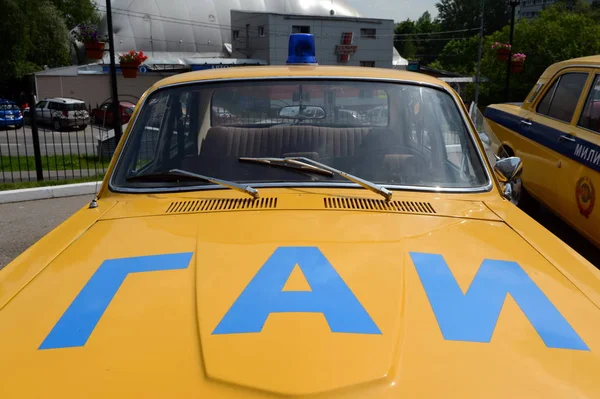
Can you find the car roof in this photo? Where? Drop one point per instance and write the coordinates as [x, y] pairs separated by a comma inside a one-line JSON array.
[[299, 71], [593, 61], [64, 100]]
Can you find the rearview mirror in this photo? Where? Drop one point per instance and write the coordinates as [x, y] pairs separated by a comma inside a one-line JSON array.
[[304, 112], [508, 169]]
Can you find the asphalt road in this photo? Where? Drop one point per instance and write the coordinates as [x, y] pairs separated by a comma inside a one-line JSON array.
[[22, 224], [19, 142]]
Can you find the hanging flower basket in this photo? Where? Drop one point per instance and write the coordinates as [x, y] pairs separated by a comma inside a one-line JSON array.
[[94, 50], [88, 34], [129, 69], [517, 63], [130, 63], [502, 51], [516, 67]]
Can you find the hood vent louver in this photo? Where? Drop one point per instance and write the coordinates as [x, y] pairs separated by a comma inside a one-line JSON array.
[[213, 205], [379, 205]]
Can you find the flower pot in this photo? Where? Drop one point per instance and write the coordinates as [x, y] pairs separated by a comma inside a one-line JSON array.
[[129, 69], [94, 50], [503, 54], [516, 67]]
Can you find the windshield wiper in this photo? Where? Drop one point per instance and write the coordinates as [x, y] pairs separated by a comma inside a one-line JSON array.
[[289, 163], [177, 174], [303, 164]]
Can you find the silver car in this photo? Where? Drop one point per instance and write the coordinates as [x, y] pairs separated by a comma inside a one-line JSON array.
[[62, 113]]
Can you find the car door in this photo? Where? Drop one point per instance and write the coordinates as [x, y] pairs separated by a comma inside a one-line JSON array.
[[583, 174], [550, 129], [39, 111]]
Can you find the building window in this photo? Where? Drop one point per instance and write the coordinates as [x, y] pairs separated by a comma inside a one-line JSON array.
[[300, 29], [367, 64], [368, 33], [236, 35], [261, 31]]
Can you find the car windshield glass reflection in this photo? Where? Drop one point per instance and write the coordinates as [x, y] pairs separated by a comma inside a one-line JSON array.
[[390, 134]]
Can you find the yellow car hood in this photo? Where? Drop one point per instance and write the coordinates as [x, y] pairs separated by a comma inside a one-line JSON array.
[[163, 332]]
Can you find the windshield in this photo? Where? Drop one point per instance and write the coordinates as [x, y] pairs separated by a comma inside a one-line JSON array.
[[8, 107], [391, 134]]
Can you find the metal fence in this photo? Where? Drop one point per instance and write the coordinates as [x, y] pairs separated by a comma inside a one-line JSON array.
[[69, 144]]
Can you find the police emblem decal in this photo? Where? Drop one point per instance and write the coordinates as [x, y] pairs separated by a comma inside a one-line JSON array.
[[586, 196]]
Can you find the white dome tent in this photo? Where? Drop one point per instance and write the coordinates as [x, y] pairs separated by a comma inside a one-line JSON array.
[[183, 31]]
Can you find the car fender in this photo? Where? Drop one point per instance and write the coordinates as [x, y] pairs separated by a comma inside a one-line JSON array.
[[22, 270]]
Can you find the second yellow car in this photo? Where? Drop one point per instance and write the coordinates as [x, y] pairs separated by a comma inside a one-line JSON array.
[[556, 133]]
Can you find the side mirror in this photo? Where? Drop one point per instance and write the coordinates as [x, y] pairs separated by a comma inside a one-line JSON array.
[[508, 170]]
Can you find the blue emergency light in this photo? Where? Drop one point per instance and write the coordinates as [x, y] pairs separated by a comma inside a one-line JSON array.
[[301, 49]]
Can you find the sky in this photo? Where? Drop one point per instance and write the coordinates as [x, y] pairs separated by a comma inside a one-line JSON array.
[[398, 10]]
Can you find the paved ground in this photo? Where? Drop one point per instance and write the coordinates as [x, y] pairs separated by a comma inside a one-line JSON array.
[[19, 142], [22, 224], [570, 236]]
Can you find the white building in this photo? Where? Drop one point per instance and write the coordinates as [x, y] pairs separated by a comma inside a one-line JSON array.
[[183, 35], [338, 40]]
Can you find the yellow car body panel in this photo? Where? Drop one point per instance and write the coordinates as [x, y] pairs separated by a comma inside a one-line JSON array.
[[162, 332], [561, 159]]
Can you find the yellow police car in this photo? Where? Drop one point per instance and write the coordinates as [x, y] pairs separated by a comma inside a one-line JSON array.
[[556, 133], [340, 234]]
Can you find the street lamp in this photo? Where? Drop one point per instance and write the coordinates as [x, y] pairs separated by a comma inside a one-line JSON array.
[[513, 4]]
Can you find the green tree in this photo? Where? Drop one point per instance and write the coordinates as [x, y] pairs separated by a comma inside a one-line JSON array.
[[35, 34], [545, 40], [466, 14], [418, 39], [429, 43], [556, 34], [404, 41], [460, 56], [77, 11]]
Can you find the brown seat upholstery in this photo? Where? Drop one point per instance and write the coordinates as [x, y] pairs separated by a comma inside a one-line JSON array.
[[277, 141], [343, 148]]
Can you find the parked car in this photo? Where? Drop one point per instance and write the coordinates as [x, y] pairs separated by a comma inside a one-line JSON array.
[[556, 132], [316, 260], [103, 115], [10, 114], [62, 113]]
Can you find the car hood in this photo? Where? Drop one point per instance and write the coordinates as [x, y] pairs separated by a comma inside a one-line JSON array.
[[337, 303]]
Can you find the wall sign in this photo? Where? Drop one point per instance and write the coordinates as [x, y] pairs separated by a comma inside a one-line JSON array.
[[346, 48]]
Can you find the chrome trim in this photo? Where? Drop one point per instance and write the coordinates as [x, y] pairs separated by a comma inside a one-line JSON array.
[[567, 137], [466, 120], [210, 187], [526, 122], [508, 169]]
